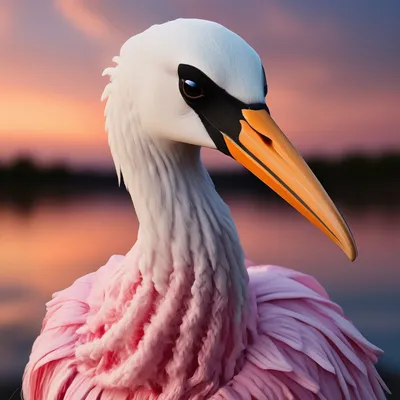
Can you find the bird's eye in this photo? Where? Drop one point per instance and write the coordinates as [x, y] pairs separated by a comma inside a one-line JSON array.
[[191, 89]]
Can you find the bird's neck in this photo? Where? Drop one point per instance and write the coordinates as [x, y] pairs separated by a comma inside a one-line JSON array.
[[182, 219], [187, 284]]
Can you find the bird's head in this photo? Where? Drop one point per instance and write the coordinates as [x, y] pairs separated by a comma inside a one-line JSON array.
[[196, 82]]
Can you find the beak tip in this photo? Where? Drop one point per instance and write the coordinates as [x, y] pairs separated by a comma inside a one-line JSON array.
[[352, 252]]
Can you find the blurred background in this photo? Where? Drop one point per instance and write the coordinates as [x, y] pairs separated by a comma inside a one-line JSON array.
[[334, 88]]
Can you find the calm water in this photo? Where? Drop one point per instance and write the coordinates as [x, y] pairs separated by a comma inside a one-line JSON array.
[[47, 248]]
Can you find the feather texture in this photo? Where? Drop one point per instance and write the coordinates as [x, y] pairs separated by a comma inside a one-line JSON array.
[[300, 346]]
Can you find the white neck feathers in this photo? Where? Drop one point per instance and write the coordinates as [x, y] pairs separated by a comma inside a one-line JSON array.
[[184, 283]]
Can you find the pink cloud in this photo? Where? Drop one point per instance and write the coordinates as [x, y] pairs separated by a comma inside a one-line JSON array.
[[81, 15]]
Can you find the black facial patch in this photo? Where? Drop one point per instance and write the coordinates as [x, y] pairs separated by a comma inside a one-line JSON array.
[[217, 109], [265, 83]]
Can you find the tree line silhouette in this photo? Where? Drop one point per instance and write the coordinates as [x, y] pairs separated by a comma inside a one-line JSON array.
[[356, 180]]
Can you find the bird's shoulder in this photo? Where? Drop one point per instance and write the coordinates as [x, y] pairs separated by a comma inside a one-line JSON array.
[[302, 344]]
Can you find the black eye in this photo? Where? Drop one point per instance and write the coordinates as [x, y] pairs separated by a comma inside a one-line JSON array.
[[191, 89]]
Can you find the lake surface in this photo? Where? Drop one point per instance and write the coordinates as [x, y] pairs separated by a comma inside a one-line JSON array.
[[44, 249]]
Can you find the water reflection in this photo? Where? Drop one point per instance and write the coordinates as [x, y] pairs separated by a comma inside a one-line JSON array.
[[46, 249]]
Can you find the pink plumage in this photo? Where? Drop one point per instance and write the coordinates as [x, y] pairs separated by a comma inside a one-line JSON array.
[[299, 344]]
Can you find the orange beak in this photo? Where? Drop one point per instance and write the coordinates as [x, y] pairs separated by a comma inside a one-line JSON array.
[[266, 152]]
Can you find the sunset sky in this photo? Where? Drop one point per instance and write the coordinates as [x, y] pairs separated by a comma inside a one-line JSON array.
[[332, 68]]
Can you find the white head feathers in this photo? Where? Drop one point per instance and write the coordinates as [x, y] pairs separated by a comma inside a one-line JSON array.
[[143, 92]]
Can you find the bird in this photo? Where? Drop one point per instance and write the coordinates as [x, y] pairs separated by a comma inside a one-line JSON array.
[[184, 314]]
